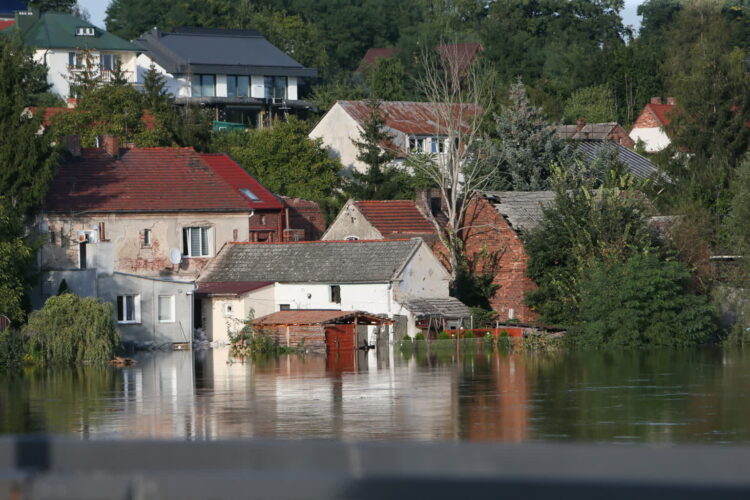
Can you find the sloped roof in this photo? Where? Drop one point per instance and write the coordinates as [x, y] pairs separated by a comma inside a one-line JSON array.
[[208, 50], [313, 261], [144, 180], [9, 7], [443, 307], [230, 287], [461, 54], [596, 131], [372, 55], [395, 218], [56, 30], [316, 317], [411, 118], [522, 209], [660, 111], [636, 164], [238, 178], [6, 23]]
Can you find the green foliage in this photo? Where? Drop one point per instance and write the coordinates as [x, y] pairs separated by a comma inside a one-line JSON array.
[[283, 159], [387, 80], [156, 98], [593, 104], [483, 317], [12, 348], [53, 5], [16, 262], [643, 300], [72, 330], [419, 336], [444, 336], [326, 94]]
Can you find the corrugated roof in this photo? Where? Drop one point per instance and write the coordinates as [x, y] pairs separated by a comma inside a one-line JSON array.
[[315, 317], [312, 261], [443, 307], [142, 180], [240, 180], [395, 218], [239, 52], [55, 30], [522, 209], [412, 118], [230, 287], [636, 164]]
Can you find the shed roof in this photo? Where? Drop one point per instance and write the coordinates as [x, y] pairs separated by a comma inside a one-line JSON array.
[[395, 218], [313, 261], [443, 307], [411, 118], [317, 317], [597, 131], [147, 180], [209, 50], [57, 30], [636, 164], [522, 209], [230, 287], [373, 54]]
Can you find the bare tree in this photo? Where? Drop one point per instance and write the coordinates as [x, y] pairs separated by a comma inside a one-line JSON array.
[[461, 92]]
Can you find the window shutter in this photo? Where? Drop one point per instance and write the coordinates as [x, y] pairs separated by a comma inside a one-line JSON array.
[[120, 315], [129, 308], [204, 241], [195, 242]]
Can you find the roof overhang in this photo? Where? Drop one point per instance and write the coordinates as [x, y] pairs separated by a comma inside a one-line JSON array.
[[244, 101]]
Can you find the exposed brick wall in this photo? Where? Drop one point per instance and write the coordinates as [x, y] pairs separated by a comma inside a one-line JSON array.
[[505, 257], [647, 119], [265, 223], [307, 216], [621, 137]]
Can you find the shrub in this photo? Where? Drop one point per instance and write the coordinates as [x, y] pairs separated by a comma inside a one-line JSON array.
[[11, 348], [444, 336], [70, 329], [419, 336]]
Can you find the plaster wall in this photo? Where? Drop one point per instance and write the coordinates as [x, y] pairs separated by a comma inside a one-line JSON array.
[[176, 85], [337, 129], [424, 276], [369, 297], [654, 138], [59, 75], [350, 222], [218, 319]]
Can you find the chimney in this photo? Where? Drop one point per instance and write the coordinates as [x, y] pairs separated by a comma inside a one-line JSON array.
[[580, 124], [72, 144], [671, 101], [656, 100], [111, 144]]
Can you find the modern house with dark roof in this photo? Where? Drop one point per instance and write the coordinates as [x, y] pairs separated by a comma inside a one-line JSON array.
[[649, 126], [67, 44], [238, 73], [378, 277]]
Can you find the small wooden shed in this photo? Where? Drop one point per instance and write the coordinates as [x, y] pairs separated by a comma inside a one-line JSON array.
[[320, 329]]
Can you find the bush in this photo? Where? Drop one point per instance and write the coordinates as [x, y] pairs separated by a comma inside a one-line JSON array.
[[70, 329], [11, 348], [419, 336], [444, 336]]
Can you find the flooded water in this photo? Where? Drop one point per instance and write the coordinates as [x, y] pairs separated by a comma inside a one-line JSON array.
[[697, 395]]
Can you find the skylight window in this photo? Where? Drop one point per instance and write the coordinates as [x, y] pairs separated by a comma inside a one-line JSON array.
[[85, 31], [249, 194]]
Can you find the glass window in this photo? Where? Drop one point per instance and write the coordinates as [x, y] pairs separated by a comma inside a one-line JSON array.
[[73, 59], [108, 61], [128, 308], [203, 85], [166, 308], [336, 294], [146, 237], [249, 194], [195, 242], [231, 86], [275, 87]]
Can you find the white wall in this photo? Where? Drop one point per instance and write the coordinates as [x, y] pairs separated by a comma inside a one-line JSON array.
[[369, 297], [59, 77], [218, 321], [424, 276], [177, 85], [257, 87], [337, 129], [291, 88], [350, 222], [221, 85], [654, 138]]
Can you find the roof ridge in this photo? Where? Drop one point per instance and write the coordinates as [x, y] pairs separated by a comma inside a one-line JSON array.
[[316, 241]]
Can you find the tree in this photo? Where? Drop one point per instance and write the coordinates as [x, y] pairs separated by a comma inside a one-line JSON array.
[[525, 145], [156, 97], [119, 76], [387, 79], [69, 6], [284, 159], [16, 259], [86, 77], [593, 104]]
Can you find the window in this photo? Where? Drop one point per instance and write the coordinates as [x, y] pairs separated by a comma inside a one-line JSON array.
[[336, 294], [74, 60], [416, 144], [238, 86], [262, 220], [85, 31], [166, 308], [437, 145], [203, 85], [82, 255], [284, 307], [128, 308], [249, 194], [275, 87], [146, 237], [52, 237], [351, 238], [228, 309], [195, 241], [108, 61]]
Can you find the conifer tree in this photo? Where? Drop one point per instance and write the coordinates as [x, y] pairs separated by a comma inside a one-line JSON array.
[[119, 76], [155, 94]]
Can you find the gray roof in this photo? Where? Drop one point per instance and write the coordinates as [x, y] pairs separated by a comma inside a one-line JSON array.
[[219, 51], [443, 307], [313, 261], [636, 164], [522, 209], [597, 131]]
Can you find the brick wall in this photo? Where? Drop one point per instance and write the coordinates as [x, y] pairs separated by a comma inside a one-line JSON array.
[[307, 216], [505, 257], [646, 119]]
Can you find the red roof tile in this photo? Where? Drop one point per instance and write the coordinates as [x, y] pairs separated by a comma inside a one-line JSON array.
[[6, 24], [395, 218], [231, 287], [144, 180], [238, 178], [372, 55], [411, 118], [661, 112]]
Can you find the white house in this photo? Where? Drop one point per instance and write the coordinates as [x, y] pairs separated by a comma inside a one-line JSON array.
[[378, 277], [412, 126], [67, 44], [649, 126]]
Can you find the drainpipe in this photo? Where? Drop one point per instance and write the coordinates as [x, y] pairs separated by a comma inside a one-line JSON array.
[[286, 211]]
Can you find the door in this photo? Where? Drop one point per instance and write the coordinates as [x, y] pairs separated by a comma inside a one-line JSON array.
[[340, 338]]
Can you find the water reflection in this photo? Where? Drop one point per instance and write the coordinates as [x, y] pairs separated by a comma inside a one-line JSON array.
[[437, 393]]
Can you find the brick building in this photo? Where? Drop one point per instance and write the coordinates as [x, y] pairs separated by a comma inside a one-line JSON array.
[[649, 126]]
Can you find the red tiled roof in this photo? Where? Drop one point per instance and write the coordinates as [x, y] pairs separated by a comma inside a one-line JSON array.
[[7, 24], [661, 112], [372, 55], [412, 118], [395, 218], [231, 287], [463, 54], [238, 178], [142, 180], [313, 317]]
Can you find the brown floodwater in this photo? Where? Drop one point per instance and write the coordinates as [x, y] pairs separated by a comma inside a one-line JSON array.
[[691, 395]]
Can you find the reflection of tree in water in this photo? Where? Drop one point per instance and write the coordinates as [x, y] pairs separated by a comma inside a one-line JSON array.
[[56, 400]]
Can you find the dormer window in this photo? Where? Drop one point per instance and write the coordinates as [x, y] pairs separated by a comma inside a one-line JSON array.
[[249, 194], [85, 31]]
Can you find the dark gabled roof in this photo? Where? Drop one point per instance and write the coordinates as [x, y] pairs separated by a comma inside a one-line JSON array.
[[205, 50], [395, 218], [636, 164], [55, 30], [150, 180], [522, 209], [9, 7], [313, 261], [443, 307]]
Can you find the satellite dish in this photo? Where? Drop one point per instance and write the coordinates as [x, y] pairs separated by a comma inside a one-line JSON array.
[[175, 256]]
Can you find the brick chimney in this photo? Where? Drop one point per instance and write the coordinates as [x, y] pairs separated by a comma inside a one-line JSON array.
[[111, 144], [656, 100], [72, 144], [580, 124], [671, 101]]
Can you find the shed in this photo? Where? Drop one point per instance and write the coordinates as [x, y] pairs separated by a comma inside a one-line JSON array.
[[319, 328], [437, 314]]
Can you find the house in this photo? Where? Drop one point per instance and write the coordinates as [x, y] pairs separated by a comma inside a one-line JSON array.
[[68, 45], [463, 54], [8, 9], [378, 277], [649, 126], [238, 73], [380, 220], [135, 226], [583, 131], [414, 127], [225, 307]]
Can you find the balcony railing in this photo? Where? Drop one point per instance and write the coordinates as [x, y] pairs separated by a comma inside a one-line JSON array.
[[104, 75]]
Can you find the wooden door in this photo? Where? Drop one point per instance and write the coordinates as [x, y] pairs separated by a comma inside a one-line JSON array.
[[340, 338]]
